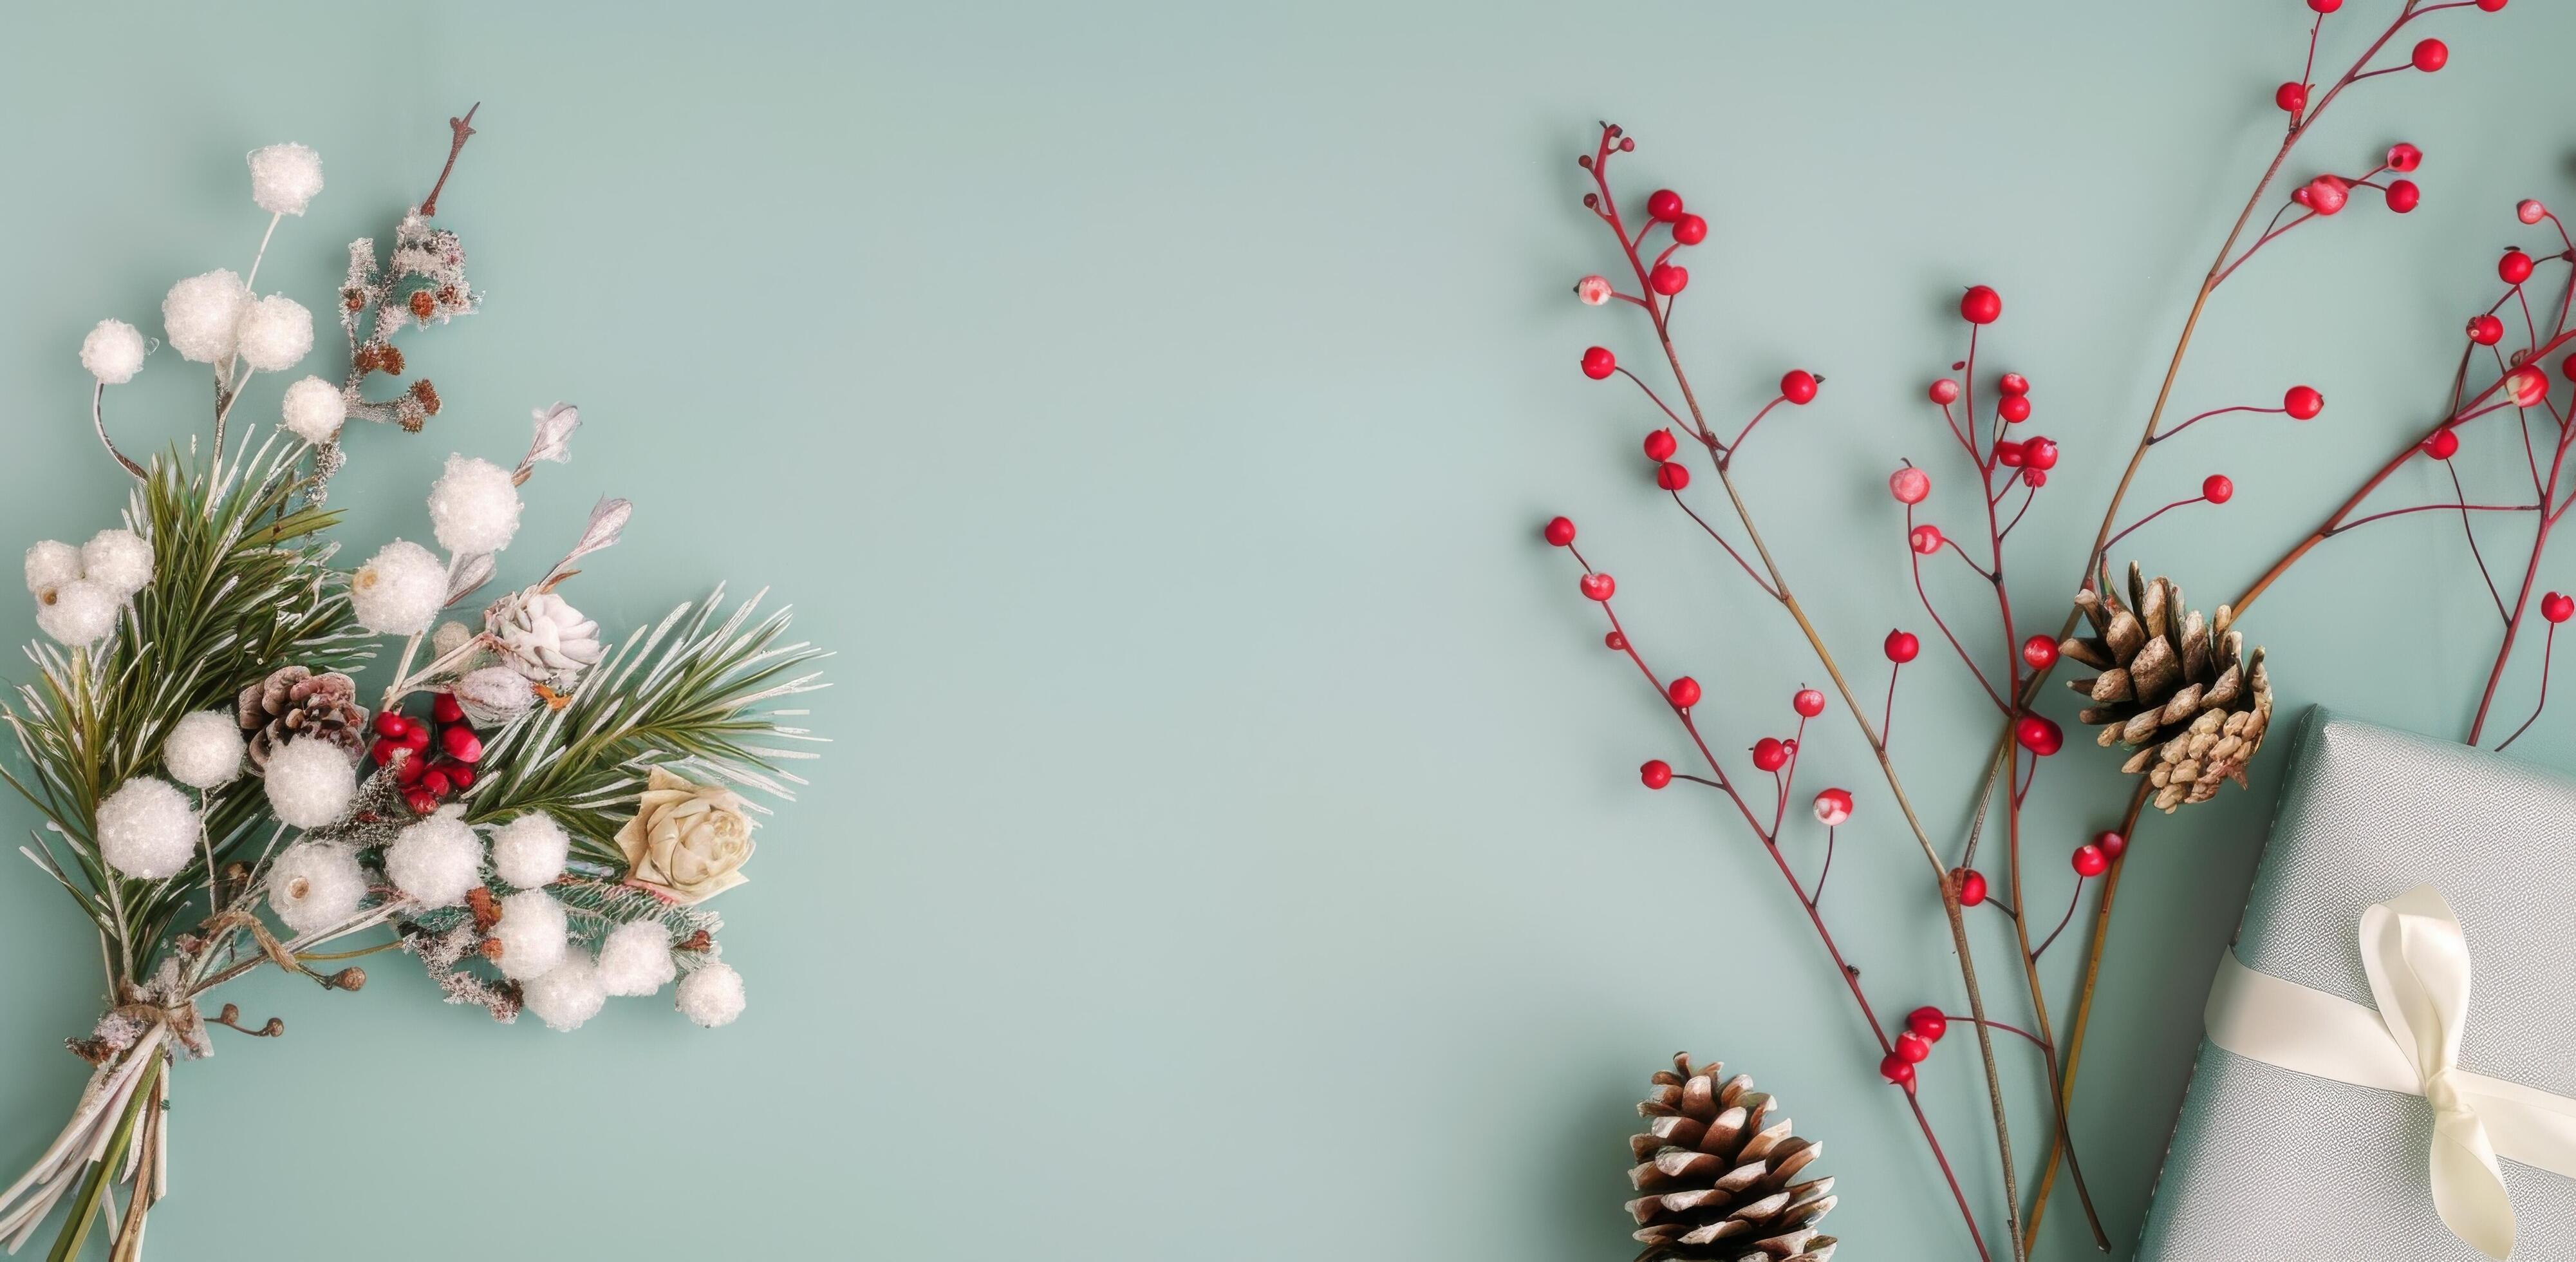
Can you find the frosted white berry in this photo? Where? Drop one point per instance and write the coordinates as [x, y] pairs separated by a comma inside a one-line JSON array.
[[529, 851], [275, 333], [567, 995], [636, 958], [202, 313], [284, 178], [118, 560], [710, 995], [436, 860], [113, 352], [1593, 290], [399, 589], [50, 565], [147, 829], [473, 506], [315, 885], [531, 932], [309, 782], [203, 749], [77, 613], [314, 410]]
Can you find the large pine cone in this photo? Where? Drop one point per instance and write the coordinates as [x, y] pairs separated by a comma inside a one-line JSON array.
[[293, 702], [2173, 682], [1716, 1170]]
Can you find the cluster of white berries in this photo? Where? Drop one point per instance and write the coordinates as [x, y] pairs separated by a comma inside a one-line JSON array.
[[214, 318], [79, 591]]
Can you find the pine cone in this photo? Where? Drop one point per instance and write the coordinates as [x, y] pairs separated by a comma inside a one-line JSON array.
[[1716, 1171], [543, 637], [295, 702], [2173, 682]]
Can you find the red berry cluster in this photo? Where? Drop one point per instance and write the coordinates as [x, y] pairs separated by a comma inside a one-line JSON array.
[[428, 778], [1923, 1028]]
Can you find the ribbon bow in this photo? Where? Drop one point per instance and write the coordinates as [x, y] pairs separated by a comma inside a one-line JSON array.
[[2418, 963]]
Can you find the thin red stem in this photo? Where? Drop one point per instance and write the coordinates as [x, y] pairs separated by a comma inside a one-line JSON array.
[[2242, 407], [2547, 644], [2062, 921], [1749, 571], [2008, 1029]]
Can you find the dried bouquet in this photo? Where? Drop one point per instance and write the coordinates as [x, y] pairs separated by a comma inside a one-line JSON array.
[[534, 809]]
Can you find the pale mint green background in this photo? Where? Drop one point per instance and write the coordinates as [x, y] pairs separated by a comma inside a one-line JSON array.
[[1232, 848]]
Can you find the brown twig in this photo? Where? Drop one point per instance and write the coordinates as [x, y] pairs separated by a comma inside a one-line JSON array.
[[461, 128]]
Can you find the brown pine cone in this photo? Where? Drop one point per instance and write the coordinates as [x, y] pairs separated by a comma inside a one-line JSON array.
[[2175, 683], [1716, 1168], [295, 702]]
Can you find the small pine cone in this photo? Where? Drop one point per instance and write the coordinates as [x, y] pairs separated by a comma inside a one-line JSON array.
[[1716, 1167], [294, 702], [2180, 687]]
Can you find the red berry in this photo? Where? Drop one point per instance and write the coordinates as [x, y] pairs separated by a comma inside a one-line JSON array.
[[1614, 642], [1944, 391], [382, 751], [1769, 755], [2090, 861], [1690, 230], [1981, 305], [1683, 692], [434, 783], [2039, 453], [1913, 1047], [1910, 485], [1598, 362], [2291, 97], [461, 744], [2038, 734], [2325, 6], [415, 737], [1898, 1070], [2567, 367], [2558, 607], [443, 708], [419, 802], [2527, 387], [2490, 6], [2327, 194], [2530, 210], [2034, 478], [2404, 196], [2039, 652], [2403, 157], [2303, 403], [1672, 475], [1559, 531], [1798, 385], [1668, 279], [1655, 774], [1901, 647], [1660, 445], [2486, 330], [1663, 205], [1597, 586], [2110, 843], [1808, 703], [392, 724], [2514, 267], [2442, 444], [408, 771], [1833, 807], [1926, 539], [462, 777], [2431, 55], [2217, 489], [2014, 383], [2013, 408], [2010, 454], [1927, 1023], [1972, 887]]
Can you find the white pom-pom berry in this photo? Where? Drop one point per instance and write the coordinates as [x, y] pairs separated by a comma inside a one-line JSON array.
[[315, 410], [710, 995], [313, 886], [310, 782], [113, 352], [203, 749], [636, 958], [284, 178], [530, 850], [118, 560], [474, 506], [202, 314], [532, 934], [50, 565], [567, 995], [436, 860], [77, 613], [275, 333], [147, 829], [399, 589]]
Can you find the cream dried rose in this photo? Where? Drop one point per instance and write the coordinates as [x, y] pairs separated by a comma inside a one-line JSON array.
[[688, 840]]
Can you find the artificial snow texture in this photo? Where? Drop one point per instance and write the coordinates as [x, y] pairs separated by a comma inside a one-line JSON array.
[[399, 589], [494, 694], [203, 749], [532, 932], [80, 612], [275, 333], [202, 313], [314, 410], [147, 829], [530, 850], [566, 996], [434, 861], [51, 564], [309, 782], [474, 507], [118, 560], [113, 352], [315, 885], [284, 178], [711, 995], [636, 958]]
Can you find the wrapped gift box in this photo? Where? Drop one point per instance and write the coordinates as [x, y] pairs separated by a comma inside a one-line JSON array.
[[2273, 1165]]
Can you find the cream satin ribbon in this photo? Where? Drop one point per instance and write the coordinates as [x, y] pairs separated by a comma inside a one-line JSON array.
[[2418, 963]]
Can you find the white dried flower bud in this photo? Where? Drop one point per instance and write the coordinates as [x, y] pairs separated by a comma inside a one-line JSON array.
[[202, 314], [494, 694], [147, 829], [530, 850], [309, 782], [711, 995], [315, 885], [636, 958], [532, 932], [50, 565], [436, 860], [567, 995], [118, 560], [399, 589], [275, 333], [315, 410], [474, 506], [113, 352], [284, 178], [203, 749], [449, 637], [77, 613]]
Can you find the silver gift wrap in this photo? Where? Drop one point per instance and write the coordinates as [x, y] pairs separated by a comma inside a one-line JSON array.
[[2278, 1166]]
